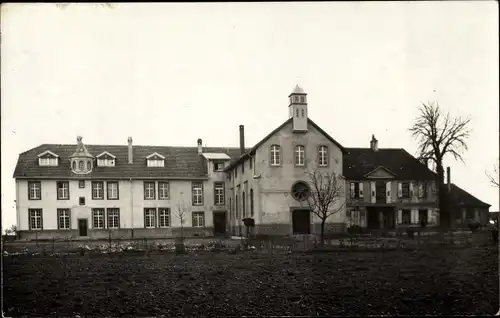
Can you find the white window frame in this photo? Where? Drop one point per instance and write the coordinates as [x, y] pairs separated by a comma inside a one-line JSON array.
[[323, 156], [198, 219], [164, 217], [219, 166], [64, 218], [98, 215], [150, 218], [149, 190], [106, 162], [36, 219], [98, 187], [35, 190], [63, 192], [113, 215], [156, 163], [197, 193], [300, 155], [47, 162], [113, 186], [275, 155], [163, 190], [219, 193]]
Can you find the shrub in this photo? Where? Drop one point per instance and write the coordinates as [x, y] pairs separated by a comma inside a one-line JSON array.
[[474, 226]]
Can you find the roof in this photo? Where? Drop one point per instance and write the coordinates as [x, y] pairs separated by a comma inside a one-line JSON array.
[[289, 120], [298, 90], [463, 198], [219, 156], [359, 162], [180, 162]]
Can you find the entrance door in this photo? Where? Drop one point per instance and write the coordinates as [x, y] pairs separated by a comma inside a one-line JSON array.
[[372, 218], [219, 223], [82, 227], [380, 192], [301, 221], [389, 218]]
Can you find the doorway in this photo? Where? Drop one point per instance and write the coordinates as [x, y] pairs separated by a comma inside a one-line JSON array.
[[82, 227], [301, 221], [219, 223]]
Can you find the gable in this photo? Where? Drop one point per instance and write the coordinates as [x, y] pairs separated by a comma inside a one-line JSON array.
[[47, 154], [155, 156], [105, 155], [380, 172]]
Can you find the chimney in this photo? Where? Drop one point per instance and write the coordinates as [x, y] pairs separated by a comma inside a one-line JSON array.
[[242, 139], [130, 151], [200, 146], [448, 178], [374, 143]]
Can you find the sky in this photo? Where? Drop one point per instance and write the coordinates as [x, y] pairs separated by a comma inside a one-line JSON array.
[[168, 74]]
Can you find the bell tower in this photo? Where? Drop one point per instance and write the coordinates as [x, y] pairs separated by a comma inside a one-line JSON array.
[[298, 109]]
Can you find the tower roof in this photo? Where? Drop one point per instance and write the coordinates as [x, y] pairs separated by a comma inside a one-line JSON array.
[[298, 90], [81, 150]]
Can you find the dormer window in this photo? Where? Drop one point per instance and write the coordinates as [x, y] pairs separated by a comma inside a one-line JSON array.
[[105, 159], [218, 166], [155, 160], [48, 158]]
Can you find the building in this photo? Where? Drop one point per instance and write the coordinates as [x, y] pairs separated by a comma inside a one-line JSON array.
[[93, 191]]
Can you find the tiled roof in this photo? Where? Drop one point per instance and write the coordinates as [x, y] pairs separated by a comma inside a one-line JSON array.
[[463, 198], [180, 162], [361, 161], [254, 148]]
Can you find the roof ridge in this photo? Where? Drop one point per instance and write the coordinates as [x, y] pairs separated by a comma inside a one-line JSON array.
[[111, 145]]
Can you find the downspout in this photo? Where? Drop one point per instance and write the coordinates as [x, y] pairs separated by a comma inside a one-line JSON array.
[[132, 206], [18, 215], [258, 184]]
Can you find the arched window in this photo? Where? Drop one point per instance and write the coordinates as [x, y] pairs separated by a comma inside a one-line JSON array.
[[299, 156], [251, 202], [81, 166], [74, 165], [89, 165], [302, 99], [296, 99], [302, 113], [300, 191], [297, 113], [275, 155], [323, 156]]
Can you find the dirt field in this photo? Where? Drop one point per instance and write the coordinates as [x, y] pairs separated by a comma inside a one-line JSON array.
[[440, 282]]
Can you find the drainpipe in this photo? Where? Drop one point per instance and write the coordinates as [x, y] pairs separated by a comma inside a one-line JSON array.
[[132, 206]]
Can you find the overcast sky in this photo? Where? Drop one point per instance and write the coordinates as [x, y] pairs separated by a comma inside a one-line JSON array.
[[168, 74]]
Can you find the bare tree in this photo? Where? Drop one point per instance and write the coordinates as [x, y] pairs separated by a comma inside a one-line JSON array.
[[324, 196], [180, 212], [439, 135], [494, 178]]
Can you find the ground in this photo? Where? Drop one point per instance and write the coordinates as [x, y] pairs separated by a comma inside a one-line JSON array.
[[459, 281]]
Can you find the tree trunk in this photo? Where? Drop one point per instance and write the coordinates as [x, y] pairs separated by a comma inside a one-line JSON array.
[[444, 213], [322, 235]]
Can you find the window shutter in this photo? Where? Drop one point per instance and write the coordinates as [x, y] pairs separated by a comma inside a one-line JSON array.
[[192, 219], [400, 216], [145, 218], [363, 218], [361, 189], [400, 189], [414, 216], [374, 192], [411, 189], [430, 216], [388, 191], [352, 189]]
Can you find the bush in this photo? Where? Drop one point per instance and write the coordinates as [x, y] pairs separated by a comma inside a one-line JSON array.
[[474, 226]]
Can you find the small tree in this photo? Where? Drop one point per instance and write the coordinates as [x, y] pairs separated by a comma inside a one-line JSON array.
[[494, 178], [324, 198], [180, 212], [438, 136]]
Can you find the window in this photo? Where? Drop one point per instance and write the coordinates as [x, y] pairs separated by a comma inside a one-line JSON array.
[[198, 219], [97, 190], [112, 190], [197, 193], [236, 207], [156, 163], [149, 217], [63, 219], [296, 113], [81, 184], [35, 219], [299, 156], [34, 190], [106, 162], [296, 99], [422, 190], [275, 155], [405, 189], [251, 202], [164, 216], [98, 218], [81, 200], [356, 190], [230, 208], [81, 166], [406, 216], [62, 190], [74, 165], [323, 156], [113, 218], [89, 165], [423, 216], [243, 203], [302, 113], [300, 191], [218, 166], [47, 161], [149, 190], [302, 100], [242, 167], [163, 192], [219, 193], [250, 162]]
